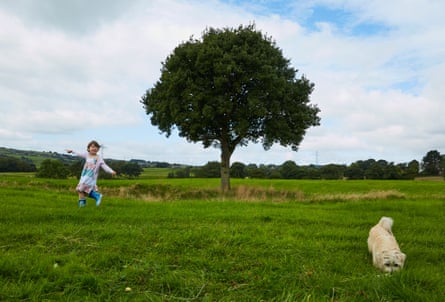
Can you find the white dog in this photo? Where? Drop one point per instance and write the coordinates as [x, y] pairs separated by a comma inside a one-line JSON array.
[[386, 254]]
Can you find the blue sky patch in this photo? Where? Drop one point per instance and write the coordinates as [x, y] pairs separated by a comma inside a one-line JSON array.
[[344, 21]]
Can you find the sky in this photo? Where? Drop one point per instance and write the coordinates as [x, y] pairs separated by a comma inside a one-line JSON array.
[[73, 71]]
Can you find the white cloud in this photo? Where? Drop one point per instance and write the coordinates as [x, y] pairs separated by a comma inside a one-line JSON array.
[[68, 74]]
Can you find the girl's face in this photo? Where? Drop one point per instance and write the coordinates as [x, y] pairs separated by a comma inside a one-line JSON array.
[[93, 149]]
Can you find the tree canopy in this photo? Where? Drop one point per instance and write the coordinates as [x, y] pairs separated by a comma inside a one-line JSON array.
[[432, 163], [231, 87], [52, 168]]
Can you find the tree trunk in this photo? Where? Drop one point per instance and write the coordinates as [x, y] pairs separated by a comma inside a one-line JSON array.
[[225, 167]]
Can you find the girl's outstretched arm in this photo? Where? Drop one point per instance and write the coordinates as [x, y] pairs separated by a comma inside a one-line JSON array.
[[84, 155]]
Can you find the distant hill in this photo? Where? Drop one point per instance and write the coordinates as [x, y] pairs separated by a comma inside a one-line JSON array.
[[36, 157]]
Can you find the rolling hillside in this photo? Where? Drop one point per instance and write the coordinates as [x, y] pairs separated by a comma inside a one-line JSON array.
[[36, 156]]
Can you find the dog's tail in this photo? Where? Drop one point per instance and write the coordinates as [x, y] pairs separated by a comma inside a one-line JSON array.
[[386, 223]]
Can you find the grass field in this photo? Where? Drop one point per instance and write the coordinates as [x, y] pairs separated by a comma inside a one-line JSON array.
[[159, 239]]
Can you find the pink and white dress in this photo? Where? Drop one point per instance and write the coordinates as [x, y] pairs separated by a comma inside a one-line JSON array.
[[90, 172]]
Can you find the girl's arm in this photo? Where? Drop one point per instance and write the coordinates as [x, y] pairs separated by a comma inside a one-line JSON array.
[[106, 168], [84, 155]]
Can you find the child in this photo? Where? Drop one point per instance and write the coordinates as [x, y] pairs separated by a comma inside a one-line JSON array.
[[87, 184]]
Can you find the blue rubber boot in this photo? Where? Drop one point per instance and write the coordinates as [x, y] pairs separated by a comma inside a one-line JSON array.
[[97, 196], [82, 203]]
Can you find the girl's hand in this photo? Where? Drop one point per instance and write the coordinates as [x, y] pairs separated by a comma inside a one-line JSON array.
[[69, 151], [113, 173]]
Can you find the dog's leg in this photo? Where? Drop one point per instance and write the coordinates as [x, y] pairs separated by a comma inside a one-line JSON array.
[[375, 255]]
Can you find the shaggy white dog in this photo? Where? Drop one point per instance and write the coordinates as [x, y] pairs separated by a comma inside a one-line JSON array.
[[386, 254]]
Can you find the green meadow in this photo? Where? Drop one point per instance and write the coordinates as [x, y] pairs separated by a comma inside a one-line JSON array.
[[159, 239]]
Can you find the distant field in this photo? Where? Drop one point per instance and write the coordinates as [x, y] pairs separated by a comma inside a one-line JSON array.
[[155, 173], [158, 239]]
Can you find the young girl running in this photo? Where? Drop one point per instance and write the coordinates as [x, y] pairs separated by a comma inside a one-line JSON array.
[[87, 184]]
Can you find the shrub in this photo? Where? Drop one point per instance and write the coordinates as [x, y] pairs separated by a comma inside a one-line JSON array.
[[51, 168]]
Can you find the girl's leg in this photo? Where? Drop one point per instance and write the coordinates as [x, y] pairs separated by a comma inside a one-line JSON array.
[[82, 199], [97, 196]]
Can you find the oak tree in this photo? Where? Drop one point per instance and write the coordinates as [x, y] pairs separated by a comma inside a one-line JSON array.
[[230, 87]]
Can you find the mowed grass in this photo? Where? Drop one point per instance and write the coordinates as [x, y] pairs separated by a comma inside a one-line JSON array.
[[266, 241]]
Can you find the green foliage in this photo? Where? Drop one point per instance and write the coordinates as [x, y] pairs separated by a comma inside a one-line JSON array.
[[180, 173], [52, 168], [229, 88], [381, 169], [238, 170], [76, 168], [12, 164], [210, 170], [202, 250], [332, 171], [355, 171], [432, 164], [255, 171], [289, 170], [126, 168]]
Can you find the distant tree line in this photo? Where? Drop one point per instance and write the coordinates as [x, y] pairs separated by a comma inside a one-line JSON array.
[[369, 169], [12, 164], [51, 168], [432, 164]]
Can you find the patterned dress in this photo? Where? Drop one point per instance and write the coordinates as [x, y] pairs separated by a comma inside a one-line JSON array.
[[88, 180], [90, 172]]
